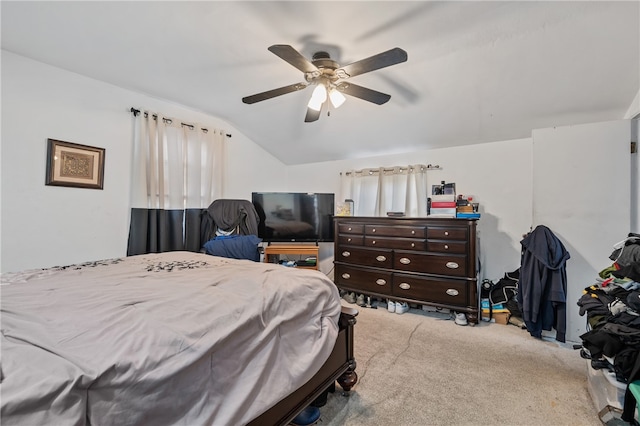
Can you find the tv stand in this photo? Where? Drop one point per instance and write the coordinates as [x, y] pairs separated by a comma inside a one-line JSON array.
[[273, 252]]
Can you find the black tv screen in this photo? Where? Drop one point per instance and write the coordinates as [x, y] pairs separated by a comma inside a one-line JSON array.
[[294, 216]]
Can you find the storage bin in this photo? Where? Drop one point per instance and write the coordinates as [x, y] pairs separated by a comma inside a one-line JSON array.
[[604, 388]]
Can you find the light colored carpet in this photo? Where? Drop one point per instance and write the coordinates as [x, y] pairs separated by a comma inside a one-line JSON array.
[[421, 368]]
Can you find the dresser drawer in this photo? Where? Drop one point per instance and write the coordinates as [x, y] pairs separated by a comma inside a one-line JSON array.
[[446, 291], [425, 260], [365, 257], [351, 239], [350, 228], [446, 233], [440, 264], [458, 247], [395, 231], [365, 280], [395, 243]]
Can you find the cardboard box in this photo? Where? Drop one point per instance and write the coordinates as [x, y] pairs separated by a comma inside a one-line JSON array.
[[499, 317]]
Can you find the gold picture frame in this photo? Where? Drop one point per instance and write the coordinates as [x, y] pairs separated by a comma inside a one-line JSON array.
[[74, 165]]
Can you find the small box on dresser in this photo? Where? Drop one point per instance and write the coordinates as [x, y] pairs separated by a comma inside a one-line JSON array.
[[428, 261]]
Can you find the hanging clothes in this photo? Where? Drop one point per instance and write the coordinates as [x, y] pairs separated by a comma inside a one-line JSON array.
[[542, 292], [229, 228], [227, 216]]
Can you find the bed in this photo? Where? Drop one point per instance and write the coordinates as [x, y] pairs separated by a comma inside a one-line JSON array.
[[170, 338]]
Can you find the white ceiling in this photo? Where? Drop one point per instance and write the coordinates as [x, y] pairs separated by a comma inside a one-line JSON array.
[[477, 71]]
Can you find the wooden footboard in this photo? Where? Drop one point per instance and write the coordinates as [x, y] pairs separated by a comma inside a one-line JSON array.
[[339, 366]]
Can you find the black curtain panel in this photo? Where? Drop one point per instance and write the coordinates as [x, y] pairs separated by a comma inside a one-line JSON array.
[[155, 231], [192, 230]]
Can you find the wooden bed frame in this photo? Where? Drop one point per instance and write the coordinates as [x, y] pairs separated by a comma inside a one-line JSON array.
[[339, 367]]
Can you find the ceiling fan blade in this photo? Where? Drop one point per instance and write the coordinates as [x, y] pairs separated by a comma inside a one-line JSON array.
[[375, 62], [294, 57], [273, 93], [312, 115], [363, 93]]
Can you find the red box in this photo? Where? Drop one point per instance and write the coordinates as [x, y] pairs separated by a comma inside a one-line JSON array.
[[443, 204]]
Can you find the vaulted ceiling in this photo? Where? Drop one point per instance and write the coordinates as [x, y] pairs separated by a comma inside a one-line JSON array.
[[476, 71]]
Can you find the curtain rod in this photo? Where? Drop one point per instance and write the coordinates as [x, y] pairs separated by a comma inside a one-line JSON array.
[[387, 169], [169, 121]]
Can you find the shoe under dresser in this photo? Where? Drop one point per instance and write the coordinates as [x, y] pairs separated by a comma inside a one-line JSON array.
[[427, 261]]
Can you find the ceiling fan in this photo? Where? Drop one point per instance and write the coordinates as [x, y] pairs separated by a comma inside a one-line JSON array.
[[330, 78]]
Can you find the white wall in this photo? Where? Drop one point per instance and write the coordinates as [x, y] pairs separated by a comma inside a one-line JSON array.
[[43, 226], [635, 178], [581, 192], [497, 174], [501, 176], [250, 168]]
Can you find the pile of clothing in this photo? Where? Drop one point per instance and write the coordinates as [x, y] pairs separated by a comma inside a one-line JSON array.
[[612, 308]]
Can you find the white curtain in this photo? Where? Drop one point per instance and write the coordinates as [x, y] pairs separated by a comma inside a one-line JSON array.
[[387, 189], [176, 166], [177, 170]]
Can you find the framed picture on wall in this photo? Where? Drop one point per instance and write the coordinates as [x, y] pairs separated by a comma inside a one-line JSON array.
[[75, 165]]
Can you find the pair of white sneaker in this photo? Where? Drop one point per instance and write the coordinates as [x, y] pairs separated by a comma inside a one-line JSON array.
[[397, 307], [460, 318]]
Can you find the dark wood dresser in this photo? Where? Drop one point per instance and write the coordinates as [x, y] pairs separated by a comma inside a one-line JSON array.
[[428, 261]]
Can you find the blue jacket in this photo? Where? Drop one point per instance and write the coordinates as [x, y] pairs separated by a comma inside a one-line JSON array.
[[542, 290], [235, 247]]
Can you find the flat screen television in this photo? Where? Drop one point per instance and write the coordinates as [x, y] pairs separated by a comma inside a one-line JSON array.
[[294, 216]]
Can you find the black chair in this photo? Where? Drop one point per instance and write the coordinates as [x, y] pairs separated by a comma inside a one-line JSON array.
[[229, 228]]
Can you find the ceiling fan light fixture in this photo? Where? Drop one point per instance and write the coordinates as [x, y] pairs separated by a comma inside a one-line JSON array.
[[318, 97], [319, 93], [314, 104], [336, 98]]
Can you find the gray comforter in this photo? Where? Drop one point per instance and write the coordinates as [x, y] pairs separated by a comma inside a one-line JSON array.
[[172, 338]]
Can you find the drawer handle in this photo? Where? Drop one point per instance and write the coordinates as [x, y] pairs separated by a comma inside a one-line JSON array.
[[381, 258], [446, 247], [446, 232], [348, 240], [405, 260], [452, 292], [373, 230], [380, 281], [413, 232], [373, 242], [413, 244], [346, 254], [404, 286], [346, 276], [349, 228], [452, 265]]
